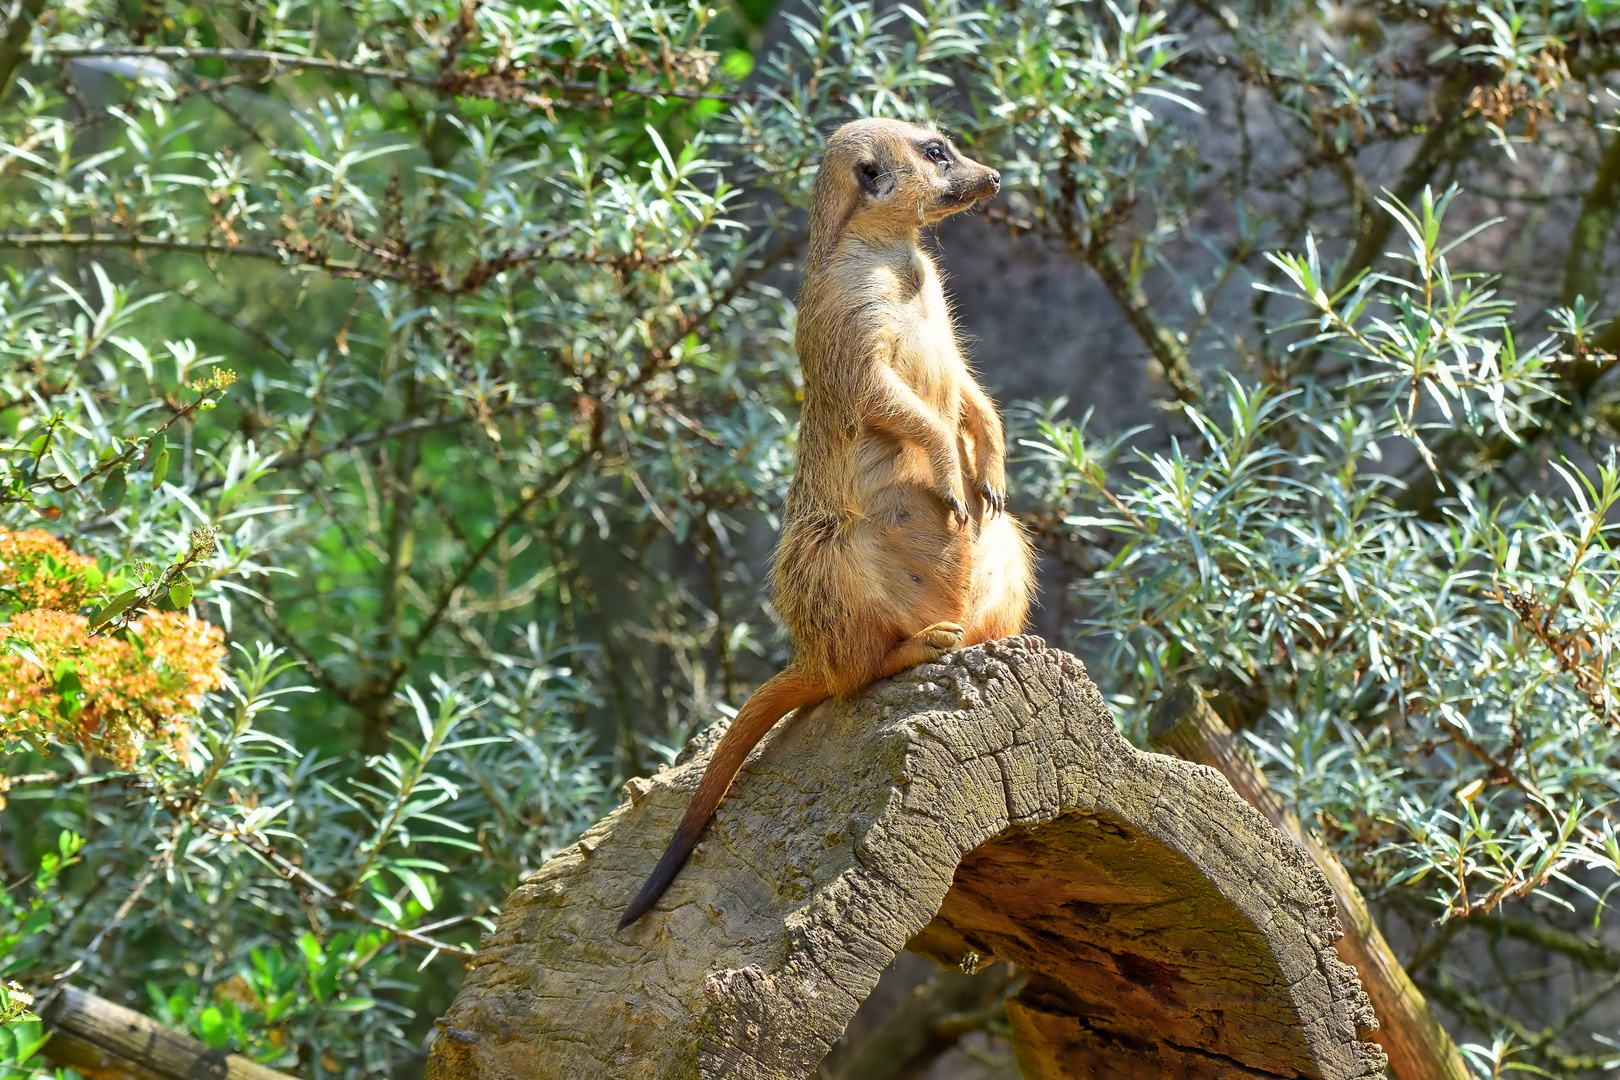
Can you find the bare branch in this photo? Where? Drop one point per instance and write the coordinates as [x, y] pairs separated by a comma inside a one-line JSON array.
[[490, 83], [1166, 348]]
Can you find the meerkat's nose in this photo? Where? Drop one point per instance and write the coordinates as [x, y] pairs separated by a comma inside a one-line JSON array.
[[995, 181]]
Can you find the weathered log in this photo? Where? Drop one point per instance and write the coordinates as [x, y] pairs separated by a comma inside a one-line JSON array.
[[1415, 1042], [103, 1040], [982, 808]]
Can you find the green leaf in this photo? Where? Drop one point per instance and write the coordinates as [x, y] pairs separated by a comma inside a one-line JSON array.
[[16, 646], [159, 999], [389, 905], [212, 1027], [311, 948], [30, 1038], [71, 690], [66, 465], [112, 490], [419, 888], [358, 1004], [160, 468], [180, 593], [20, 1040], [119, 605]]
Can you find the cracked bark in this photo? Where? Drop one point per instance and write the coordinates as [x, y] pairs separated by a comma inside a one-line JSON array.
[[981, 809]]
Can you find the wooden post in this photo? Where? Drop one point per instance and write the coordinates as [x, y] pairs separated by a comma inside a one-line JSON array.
[[981, 809], [1417, 1046], [105, 1041]]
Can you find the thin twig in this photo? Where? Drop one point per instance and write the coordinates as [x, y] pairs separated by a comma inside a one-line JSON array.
[[159, 863], [294, 873], [545, 488], [14, 46], [28, 241]]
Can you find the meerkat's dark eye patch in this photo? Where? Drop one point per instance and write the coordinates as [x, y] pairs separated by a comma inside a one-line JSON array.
[[876, 180], [936, 151]]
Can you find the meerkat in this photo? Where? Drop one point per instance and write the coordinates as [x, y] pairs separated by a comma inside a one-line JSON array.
[[895, 544]]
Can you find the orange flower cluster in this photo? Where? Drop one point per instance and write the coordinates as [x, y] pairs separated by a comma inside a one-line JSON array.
[[108, 693], [38, 571]]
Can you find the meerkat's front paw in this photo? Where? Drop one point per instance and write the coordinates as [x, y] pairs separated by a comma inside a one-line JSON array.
[[955, 504], [995, 500]]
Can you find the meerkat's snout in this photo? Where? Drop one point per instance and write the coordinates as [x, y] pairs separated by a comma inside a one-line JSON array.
[[970, 183], [991, 184]]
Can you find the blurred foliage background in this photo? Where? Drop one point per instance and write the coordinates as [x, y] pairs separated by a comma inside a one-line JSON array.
[[395, 398]]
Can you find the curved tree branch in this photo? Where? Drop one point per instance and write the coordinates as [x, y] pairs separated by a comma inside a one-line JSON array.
[[981, 809]]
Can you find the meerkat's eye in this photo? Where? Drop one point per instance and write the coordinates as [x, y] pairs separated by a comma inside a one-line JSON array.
[[936, 153]]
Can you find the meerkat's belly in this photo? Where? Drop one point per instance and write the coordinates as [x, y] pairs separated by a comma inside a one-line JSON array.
[[883, 468]]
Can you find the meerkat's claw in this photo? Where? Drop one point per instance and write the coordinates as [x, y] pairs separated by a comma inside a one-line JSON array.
[[994, 501], [944, 635]]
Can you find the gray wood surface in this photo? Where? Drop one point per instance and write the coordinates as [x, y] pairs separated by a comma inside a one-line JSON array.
[[979, 809]]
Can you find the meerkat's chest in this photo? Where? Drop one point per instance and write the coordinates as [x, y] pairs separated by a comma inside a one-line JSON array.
[[926, 354]]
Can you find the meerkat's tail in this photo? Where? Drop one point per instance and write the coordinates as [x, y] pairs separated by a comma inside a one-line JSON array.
[[790, 689]]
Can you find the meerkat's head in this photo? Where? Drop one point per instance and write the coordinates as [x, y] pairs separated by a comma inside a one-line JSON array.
[[887, 177]]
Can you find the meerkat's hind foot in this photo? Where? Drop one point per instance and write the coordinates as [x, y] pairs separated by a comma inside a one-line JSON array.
[[942, 636], [923, 647]]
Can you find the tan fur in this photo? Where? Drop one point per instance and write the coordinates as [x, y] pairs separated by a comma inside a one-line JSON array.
[[894, 547]]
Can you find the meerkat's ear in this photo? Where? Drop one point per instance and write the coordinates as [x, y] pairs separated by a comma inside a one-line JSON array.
[[875, 178]]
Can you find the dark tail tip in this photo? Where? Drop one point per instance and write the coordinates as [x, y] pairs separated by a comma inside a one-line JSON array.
[[674, 858]]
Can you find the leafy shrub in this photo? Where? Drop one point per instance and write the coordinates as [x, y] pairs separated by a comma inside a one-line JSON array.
[[1433, 688]]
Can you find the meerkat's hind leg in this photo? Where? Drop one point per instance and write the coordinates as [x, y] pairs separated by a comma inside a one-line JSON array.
[[923, 647]]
